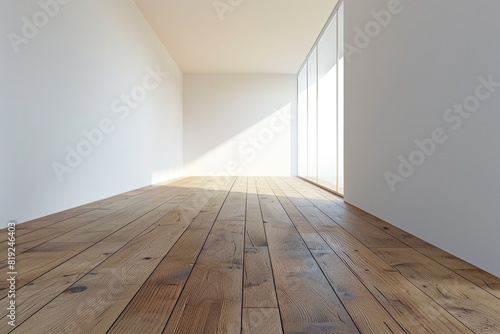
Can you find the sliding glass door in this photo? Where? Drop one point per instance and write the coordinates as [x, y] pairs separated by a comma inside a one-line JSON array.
[[320, 110]]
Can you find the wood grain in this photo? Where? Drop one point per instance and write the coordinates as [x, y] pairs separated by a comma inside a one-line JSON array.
[[151, 307], [211, 301], [258, 289], [366, 312], [307, 302], [407, 304], [238, 255], [261, 320], [451, 291]]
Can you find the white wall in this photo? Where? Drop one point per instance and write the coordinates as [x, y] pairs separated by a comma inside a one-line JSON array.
[[399, 85], [239, 124], [63, 80]]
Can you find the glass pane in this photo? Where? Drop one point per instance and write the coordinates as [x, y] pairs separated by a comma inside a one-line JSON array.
[[312, 124], [327, 107], [341, 100], [302, 122]]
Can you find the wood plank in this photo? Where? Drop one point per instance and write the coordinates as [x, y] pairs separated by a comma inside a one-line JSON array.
[[238, 196], [360, 229], [97, 299], [37, 261], [258, 289], [481, 278], [474, 307], [413, 310], [264, 191], [211, 301], [307, 302], [252, 198], [152, 306], [318, 193], [486, 281], [43, 222], [368, 234], [234, 207], [30, 239], [101, 228], [255, 236], [392, 230], [33, 297], [232, 212], [138, 227], [33, 238], [96, 213], [366, 312], [169, 278], [260, 312], [294, 196], [445, 258], [261, 320], [300, 223]]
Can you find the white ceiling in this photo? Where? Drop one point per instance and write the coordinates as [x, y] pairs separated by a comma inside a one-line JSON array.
[[251, 36]]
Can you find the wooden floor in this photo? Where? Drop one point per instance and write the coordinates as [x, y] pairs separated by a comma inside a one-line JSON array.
[[230, 255]]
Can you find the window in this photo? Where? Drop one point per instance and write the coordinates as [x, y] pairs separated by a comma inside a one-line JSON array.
[[327, 105], [321, 109], [302, 121], [312, 117]]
